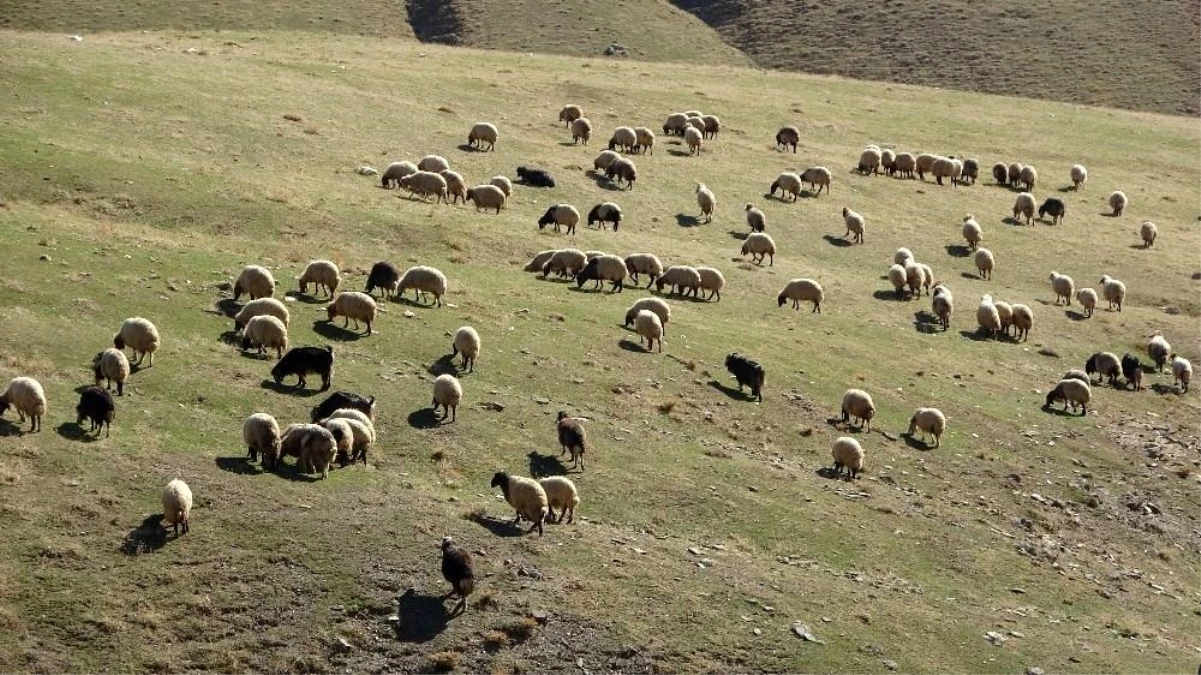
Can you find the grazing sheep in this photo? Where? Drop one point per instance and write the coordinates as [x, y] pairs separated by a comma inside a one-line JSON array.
[[1000, 173], [1118, 202], [656, 305], [943, 305], [1024, 205], [324, 274], [755, 218], [1132, 370], [971, 171], [1113, 291], [681, 278], [694, 138], [869, 162], [260, 433], [925, 164], [902, 256], [111, 365], [1072, 392], [1063, 286], [265, 332], [646, 140], [802, 290], [625, 138], [1053, 207], [25, 394], [712, 126], [1182, 372], [313, 445], [458, 569], [384, 276], [1076, 374], [538, 261], [357, 416], [535, 177], [1005, 311], [433, 164], [649, 328], [1029, 176], [847, 454], [904, 165], [855, 224], [898, 277], [395, 171], [675, 124], [818, 176], [570, 113], [930, 421], [526, 496], [140, 335], [644, 263], [916, 278], [1148, 232], [1087, 298], [857, 405], [1159, 349], [423, 280], [343, 400], [1023, 320], [425, 183], [759, 244], [467, 343], [888, 160], [256, 281], [988, 317], [972, 232], [623, 169], [352, 306], [481, 133], [604, 160], [177, 506], [447, 394], [362, 435], [456, 188], [787, 136], [985, 261], [788, 183], [706, 200], [605, 213], [572, 438], [946, 167], [567, 262], [747, 372], [604, 268], [560, 494], [96, 406], [560, 215], [1079, 175], [486, 197], [505, 185], [300, 361], [695, 122], [1015, 174], [712, 280], [1105, 365]]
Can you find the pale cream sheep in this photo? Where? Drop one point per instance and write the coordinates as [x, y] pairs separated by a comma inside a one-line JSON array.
[[265, 332], [567, 262], [581, 130], [657, 305], [649, 328], [353, 306], [802, 290], [1064, 287], [1024, 205], [423, 280], [538, 261], [847, 454], [486, 197], [561, 494], [1015, 174], [256, 281], [467, 343], [758, 245], [1079, 175], [1159, 349], [433, 164], [712, 280], [1118, 202], [694, 138], [972, 232], [481, 133], [858, 405], [755, 218], [1113, 291], [898, 277], [855, 224], [448, 393], [505, 185], [425, 183], [985, 262], [929, 421], [1087, 298], [526, 496], [177, 506], [706, 200], [988, 317], [1022, 320], [712, 126], [942, 303], [456, 188], [324, 274], [1005, 311], [788, 183], [395, 171], [817, 176], [1148, 232], [925, 164], [646, 140], [625, 138], [644, 263], [904, 165], [902, 256], [111, 365], [682, 279], [140, 335], [1070, 391], [1182, 372], [26, 395], [1029, 176], [604, 160], [269, 306], [869, 161], [260, 433]]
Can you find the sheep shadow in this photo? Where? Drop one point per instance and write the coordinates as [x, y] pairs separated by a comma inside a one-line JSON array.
[[1139, 247], [229, 337], [253, 354], [542, 466], [771, 197], [1061, 412], [1109, 214], [73, 431], [289, 389], [839, 242], [148, 537], [1074, 315], [739, 235], [228, 307], [975, 335], [1013, 222], [685, 220], [926, 322], [415, 303], [1163, 389], [424, 418], [464, 147], [969, 275], [306, 298], [731, 392], [829, 473], [240, 465], [421, 617], [631, 346], [445, 365], [332, 331], [678, 153], [566, 143], [912, 441], [1067, 188], [889, 296], [499, 527], [958, 251]]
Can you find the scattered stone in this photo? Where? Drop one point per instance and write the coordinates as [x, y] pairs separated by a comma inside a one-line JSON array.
[[409, 314], [367, 171], [44, 258], [76, 38], [493, 406], [541, 401], [343, 645], [805, 633], [1019, 591], [292, 118], [1033, 670], [996, 638], [757, 631], [890, 664]]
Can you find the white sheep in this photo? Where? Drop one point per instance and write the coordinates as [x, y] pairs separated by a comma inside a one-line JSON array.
[[448, 392], [694, 138], [425, 183], [1070, 391], [570, 113], [644, 263], [646, 140], [266, 332], [888, 160], [487, 197], [324, 274], [675, 124], [855, 224], [456, 187], [177, 505], [942, 303], [649, 328], [758, 245], [755, 218], [423, 280], [985, 262], [930, 421], [972, 232], [560, 494], [603, 267], [915, 277], [256, 281], [362, 435], [625, 138], [927, 276], [581, 130], [1029, 176], [603, 160], [433, 164], [1182, 372], [343, 437], [1118, 202], [858, 405], [898, 277], [395, 171], [1064, 287], [847, 454], [357, 416], [869, 161], [481, 133], [1159, 349], [682, 279], [111, 365], [26, 395], [268, 306], [944, 167], [657, 305], [1148, 232], [313, 445], [1113, 291], [712, 280], [623, 169], [1022, 320], [788, 183], [1087, 298], [988, 317], [140, 335], [802, 290], [260, 433], [1079, 175], [526, 496], [712, 125], [902, 256], [905, 164], [353, 306], [818, 176], [505, 185], [1005, 311], [538, 261], [1024, 205], [566, 262], [561, 216], [1015, 173], [706, 200], [467, 343]]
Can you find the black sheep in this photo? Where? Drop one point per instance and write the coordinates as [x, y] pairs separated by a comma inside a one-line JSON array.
[[535, 177], [1055, 207], [96, 405], [343, 399], [1000, 173], [383, 275], [301, 361], [572, 438], [1132, 370], [459, 570], [748, 372]]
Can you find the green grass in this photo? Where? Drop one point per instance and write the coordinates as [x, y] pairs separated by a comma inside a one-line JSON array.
[[148, 175]]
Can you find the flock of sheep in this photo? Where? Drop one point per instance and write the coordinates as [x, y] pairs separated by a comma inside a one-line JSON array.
[[342, 428]]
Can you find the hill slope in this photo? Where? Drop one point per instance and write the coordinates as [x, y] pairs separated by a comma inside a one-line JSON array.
[[1136, 55], [138, 177]]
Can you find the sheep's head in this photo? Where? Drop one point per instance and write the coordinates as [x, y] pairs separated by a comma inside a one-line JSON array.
[[331, 310], [118, 341], [781, 299]]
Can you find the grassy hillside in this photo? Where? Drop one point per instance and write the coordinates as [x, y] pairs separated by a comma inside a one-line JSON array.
[[137, 177], [1141, 56]]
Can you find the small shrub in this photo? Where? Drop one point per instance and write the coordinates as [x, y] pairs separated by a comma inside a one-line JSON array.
[[444, 662]]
